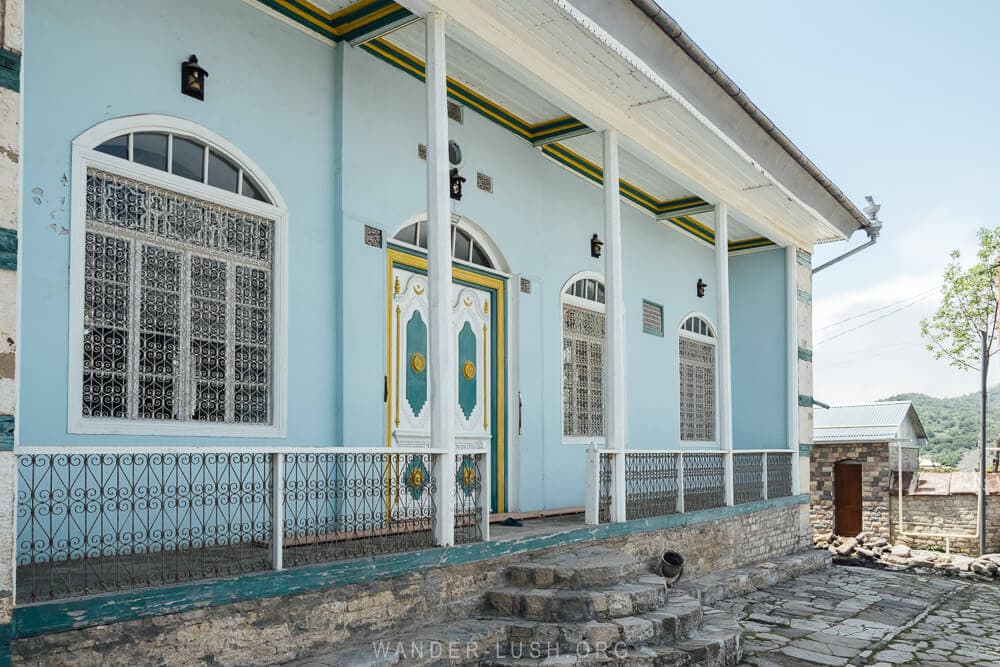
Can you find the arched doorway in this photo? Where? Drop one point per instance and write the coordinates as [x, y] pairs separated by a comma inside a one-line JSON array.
[[479, 318], [847, 503]]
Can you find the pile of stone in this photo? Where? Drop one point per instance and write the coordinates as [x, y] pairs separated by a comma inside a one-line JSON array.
[[873, 550]]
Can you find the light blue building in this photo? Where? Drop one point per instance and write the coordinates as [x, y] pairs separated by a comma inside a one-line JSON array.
[[228, 309]]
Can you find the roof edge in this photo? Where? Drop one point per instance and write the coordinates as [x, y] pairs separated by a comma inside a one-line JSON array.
[[672, 29]]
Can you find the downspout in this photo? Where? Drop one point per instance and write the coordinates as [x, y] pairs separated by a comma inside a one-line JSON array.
[[671, 28]]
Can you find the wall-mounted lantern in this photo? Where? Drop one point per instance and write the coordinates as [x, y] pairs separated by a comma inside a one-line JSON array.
[[595, 246], [455, 158], [701, 287], [193, 78]]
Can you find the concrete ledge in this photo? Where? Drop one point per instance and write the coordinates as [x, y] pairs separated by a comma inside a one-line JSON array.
[[78, 613]]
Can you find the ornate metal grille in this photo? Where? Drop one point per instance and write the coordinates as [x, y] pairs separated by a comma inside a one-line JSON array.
[[178, 307], [704, 481], [583, 372], [650, 484], [349, 505], [779, 475], [748, 477], [697, 390], [93, 523], [605, 474], [469, 498]]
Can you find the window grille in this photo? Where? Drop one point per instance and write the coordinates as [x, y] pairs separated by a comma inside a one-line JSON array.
[[178, 306], [652, 318], [697, 390], [583, 372]]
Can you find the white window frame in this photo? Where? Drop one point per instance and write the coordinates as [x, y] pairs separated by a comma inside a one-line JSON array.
[[597, 307], [713, 341], [84, 157]]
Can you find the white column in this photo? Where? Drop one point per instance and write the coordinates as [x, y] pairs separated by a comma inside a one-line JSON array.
[[792, 354], [614, 403], [441, 363], [723, 347]]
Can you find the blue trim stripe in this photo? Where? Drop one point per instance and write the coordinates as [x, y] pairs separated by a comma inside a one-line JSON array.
[[805, 297], [805, 449], [6, 433], [802, 257], [10, 70], [805, 401], [63, 615], [805, 354], [8, 249]]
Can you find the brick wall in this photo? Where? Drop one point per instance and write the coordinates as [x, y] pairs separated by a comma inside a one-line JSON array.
[[875, 480], [266, 631]]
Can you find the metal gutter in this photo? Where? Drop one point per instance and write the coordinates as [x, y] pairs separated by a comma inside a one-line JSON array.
[[672, 29]]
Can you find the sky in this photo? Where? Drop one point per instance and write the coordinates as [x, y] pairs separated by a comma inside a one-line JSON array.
[[897, 99]]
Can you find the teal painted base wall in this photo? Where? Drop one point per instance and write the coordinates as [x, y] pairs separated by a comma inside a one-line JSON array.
[[113, 608]]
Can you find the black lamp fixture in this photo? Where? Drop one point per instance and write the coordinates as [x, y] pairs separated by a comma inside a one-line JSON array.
[[193, 78], [595, 246], [701, 287], [455, 158]]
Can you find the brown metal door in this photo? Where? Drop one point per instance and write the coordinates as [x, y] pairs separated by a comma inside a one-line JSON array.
[[847, 499]]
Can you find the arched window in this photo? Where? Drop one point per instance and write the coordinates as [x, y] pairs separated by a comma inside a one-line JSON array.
[[696, 342], [583, 358], [177, 282], [463, 245]]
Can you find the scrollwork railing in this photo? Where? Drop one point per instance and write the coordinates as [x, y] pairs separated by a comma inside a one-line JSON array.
[[98, 522]]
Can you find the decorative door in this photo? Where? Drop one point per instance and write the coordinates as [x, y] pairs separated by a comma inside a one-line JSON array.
[[477, 331], [473, 338]]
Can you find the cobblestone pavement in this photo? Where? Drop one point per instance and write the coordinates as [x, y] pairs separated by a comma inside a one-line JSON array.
[[861, 616]]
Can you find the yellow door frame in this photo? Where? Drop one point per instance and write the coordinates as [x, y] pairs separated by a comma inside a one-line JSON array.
[[481, 278]]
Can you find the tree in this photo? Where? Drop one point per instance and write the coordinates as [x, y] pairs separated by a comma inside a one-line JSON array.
[[964, 331]]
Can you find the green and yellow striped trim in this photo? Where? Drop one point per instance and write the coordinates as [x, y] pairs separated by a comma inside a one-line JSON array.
[[367, 15], [358, 19]]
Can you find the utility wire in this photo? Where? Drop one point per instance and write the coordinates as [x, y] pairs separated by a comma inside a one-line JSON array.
[[880, 308], [872, 321]]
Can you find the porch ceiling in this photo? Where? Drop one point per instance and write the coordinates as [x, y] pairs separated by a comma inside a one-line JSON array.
[[651, 189], [552, 49], [492, 81]]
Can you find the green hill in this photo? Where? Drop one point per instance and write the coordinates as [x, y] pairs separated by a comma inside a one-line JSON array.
[[952, 424]]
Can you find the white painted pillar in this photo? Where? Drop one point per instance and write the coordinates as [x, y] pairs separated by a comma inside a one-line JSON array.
[[441, 365], [614, 308], [723, 346], [792, 355]]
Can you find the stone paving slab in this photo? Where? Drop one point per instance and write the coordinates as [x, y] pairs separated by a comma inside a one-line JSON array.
[[860, 616]]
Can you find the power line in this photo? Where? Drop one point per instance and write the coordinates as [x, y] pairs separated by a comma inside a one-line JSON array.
[[872, 321], [875, 310]]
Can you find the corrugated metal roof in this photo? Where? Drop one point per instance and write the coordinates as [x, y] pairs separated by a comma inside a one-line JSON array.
[[868, 422]]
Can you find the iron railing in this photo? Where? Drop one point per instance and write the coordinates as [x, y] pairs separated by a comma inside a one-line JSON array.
[[109, 521], [663, 482], [748, 477], [651, 484], [471, 492]]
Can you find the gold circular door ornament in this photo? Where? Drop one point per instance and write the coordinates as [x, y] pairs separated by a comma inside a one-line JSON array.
[[417, 362], [468, 370]]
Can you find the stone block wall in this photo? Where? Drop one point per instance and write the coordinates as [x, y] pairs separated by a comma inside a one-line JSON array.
[[955, 514], [271, 630], [875, 481], [11, 44]]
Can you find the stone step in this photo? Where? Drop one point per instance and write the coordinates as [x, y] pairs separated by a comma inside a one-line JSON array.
[[555, 605], [678, 619], [732, 583], [592, 567]]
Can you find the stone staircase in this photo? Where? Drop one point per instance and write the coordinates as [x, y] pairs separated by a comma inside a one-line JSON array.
[[591, 606], [595, 606]]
